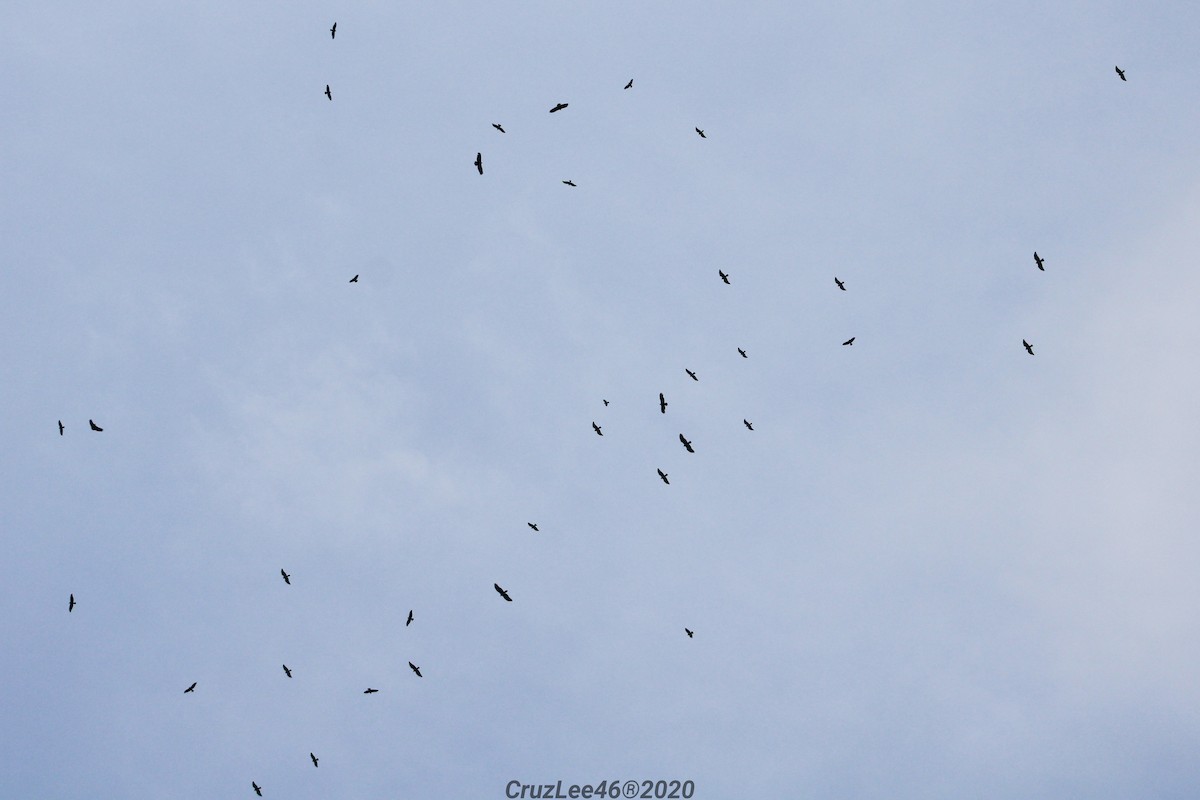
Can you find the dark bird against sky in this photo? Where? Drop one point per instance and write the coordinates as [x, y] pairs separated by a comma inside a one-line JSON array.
[[191, 688], [257, 788], [630, 84], [333, 31], [558, 107], [1029, 347], [286, 578], [848, 341], [354, 279], [415, 669], [596, 428], [748, 424], [724, 277], [329, 94], [686, 443], [370, 690], [532, 525], [410, 618], [569, 183], [1120, 73], [840, 284], [60, 428], [502, 592], [314, 759], [663, 475], [743, 352], [287, 671], [95, 427], [605, 401], [702, 136], [1039, 261], [662, 403], [71, 604], [689, 633], [479, 162], [691, 374], [498, 127]]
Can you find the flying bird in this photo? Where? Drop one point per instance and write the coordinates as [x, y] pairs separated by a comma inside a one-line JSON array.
[[724, 277], [1039, 261], [840, 284], [287, 671], [370, 690], [569, 183], [558, 107], [748, 424], [191, 688], [415, 669], [605, 401], [328, 93], [71, 604], [410, 618], [686, 443], [257, 788], [354, 279], [498, 127], [596, 428], [662, 403], [333, 31], [691, 374], [1028, 347], [630, 84], [286, 578], [1120, 73], [95, 427], [702, 136], [314, 759], [60, 428], [848, 341], [530, 524], [663, 475], [689, 633], [479, 162], [743, 352], [503, 593]]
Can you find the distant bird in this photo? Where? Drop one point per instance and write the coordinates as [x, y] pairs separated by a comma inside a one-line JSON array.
[[686, 443], [257, 788], [558, 107], [663, 475], [702, 136], [71, 604], [743, 352], [630, 84], [370, 690], [287, 671], [748, 424], [662, 403], [530, 524], [333, 31], [1039, 261], [596, 428], [569, 183], [691, 374], [191, 688], [724, 277], [328, 93], [286, 578], [479, 162], [689, 633], [314, 759], [415, 669], [498, 127], [354, 279], [410, 618], [503, 593], [848, 341], [605, 401], [1120, 73], [60, 428], [840, 284], [1028, 347], [95, 427]]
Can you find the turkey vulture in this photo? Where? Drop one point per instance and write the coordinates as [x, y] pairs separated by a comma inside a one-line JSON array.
[[748, 424], [840, 284], [71, 604], [569, 183], [596, 428], [286, 578], [333, 31], [503, 593], [663, 475], [410, 618], [530, 524], [479, 162], [724, 277], [314, 759], [1039, 261], [354, 279], [662, 403], [848, 341], [287, 671], [630, 84], [686, 443], [95, 427], [743, 352], [415, 669], [255, 786], [60, 428], [328, 93], [370, 690], [702, 136], [689, 633], [558, 107], [1120, 73], [191, 688], [498, 127], [691, 374], [1028, 347]]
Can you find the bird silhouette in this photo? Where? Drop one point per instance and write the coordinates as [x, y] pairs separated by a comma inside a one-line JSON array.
[[748, 424], [498, 127], [702, 136], [328, 93], [840, 284], [1120, 73], [479, 162], [596, 428], [1028, 347], [502, 592], [686, 443], [370, 690], [71, 604], [630, 84], [569, 183], [354, 279], [257, 788], [60, 428], [287, 671], [415, 669], [410, 618], [530, 524], [689, 633], [286, 578], [95, 427], [848, 341], [724, 277], [662, 403], [191, 688], [605, 401], [663, 475], [691, 374], [743, 352], [314, 759], [333, 31], [1039, 261], [558, 107]]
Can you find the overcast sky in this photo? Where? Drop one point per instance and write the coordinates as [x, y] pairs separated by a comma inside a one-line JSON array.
[[938, 567]]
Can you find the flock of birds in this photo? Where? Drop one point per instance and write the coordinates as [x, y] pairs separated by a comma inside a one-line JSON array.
[[1039, 261]]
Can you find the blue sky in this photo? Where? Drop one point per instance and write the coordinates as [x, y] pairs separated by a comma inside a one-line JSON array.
[[937, 567]]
